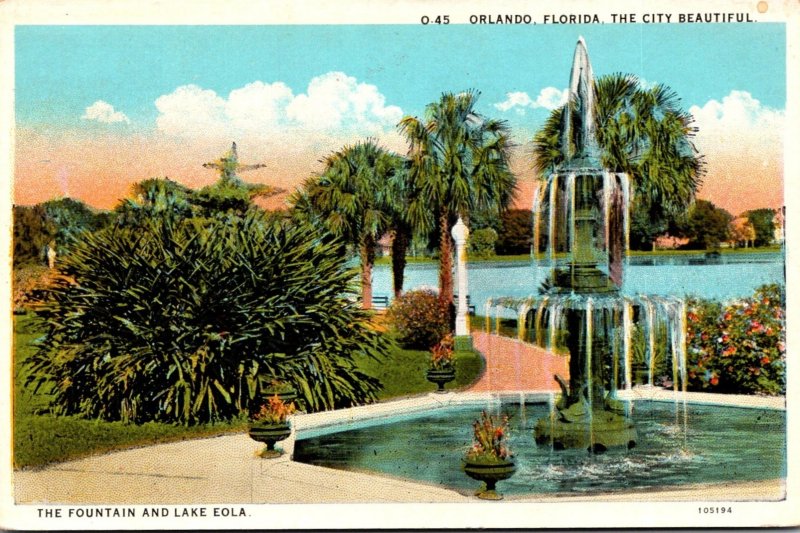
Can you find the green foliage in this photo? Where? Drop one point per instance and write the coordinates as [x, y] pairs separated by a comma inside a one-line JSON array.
[[516, 232], [739, 347], [173, 321], [40, 437], [645, 227], [62, 221], [458, 164], [33, 230], [420, 319], [707, 225], [153, 197], [643, 132], [458, 160], [640, 354], [403, 371], [353, 196], [763, 223], [485, 218], [223, 197], [71, 217], [482, 242], [355, 199]]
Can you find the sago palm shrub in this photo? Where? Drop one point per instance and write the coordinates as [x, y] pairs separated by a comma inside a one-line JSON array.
[[173, 321]]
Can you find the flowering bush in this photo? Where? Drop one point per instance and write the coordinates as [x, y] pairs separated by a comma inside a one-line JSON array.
[[419, 318], [490, 440], [442, 354], [275, 411], [738, 347]]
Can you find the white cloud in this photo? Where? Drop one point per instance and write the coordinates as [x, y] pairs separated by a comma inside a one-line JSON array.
[[104, 112], [738, 113], [743, 144], [515, 99], [548, 98], [333, 103]]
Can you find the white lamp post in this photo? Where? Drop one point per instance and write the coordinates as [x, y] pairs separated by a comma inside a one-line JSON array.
[[460, 234]]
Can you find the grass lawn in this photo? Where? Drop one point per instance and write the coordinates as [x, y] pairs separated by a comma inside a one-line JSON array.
[[41, 437], [404, 373]]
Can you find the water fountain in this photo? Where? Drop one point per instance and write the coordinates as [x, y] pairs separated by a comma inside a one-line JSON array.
[[583, 309], [580, 308]]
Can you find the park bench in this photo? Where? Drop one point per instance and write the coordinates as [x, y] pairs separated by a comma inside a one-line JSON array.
[[382, 302]]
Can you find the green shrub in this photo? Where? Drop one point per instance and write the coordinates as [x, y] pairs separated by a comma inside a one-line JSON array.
[[481, 243], [739, 347], [419, 318], [173, 321]]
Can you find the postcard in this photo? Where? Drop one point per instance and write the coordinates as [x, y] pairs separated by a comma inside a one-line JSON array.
[[291, 265]]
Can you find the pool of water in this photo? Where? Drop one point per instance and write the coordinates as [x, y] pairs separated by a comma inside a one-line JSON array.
[[732, 276], [701, 444]]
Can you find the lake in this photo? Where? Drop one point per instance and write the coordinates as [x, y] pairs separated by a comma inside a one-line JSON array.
[[730, 276]]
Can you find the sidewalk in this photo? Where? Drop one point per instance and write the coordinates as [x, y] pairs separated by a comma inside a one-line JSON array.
[[513, 365], [210, 471], [226, 469]]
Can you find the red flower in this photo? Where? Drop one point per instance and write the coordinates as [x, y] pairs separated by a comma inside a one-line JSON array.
[[765, 360], [730, 350], [714, 380]]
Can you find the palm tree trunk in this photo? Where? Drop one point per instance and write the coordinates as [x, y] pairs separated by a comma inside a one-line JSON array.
[[445, 259], [367, 254], [399, 248]]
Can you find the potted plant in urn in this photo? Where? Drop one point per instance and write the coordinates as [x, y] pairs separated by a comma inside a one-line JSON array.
[[270, 424], [441, 368], [489, 459]]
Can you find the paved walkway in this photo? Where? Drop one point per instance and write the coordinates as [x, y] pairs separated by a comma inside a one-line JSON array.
[[512, 365], [226, 470]]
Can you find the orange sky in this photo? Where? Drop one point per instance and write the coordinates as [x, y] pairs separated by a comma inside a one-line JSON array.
[[100, 170]]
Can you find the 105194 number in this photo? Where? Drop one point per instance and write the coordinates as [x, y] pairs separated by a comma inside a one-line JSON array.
[[714, 510]]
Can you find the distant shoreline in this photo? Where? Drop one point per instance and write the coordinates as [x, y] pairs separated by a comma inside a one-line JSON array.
[[387, 259]]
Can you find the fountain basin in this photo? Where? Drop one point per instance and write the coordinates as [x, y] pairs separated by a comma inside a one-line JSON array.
[[677, 445]]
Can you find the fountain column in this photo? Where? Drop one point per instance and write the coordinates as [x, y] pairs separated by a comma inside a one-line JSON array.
[[463, 339], [584, 296]]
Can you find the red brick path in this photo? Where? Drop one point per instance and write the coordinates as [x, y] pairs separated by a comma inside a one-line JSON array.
[[512, 365]]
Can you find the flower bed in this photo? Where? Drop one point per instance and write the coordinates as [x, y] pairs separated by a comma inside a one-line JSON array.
[[738, 347]]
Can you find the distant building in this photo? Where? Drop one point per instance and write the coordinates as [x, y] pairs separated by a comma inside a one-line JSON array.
[[779, 221], [668, 242]]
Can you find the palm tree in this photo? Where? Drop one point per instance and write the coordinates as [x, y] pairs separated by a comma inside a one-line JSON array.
[[401, 227], [642, 132], [458, 162], [153, 197], [353, 199]]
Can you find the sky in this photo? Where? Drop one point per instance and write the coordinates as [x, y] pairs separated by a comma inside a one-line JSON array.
[[99, 108]]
